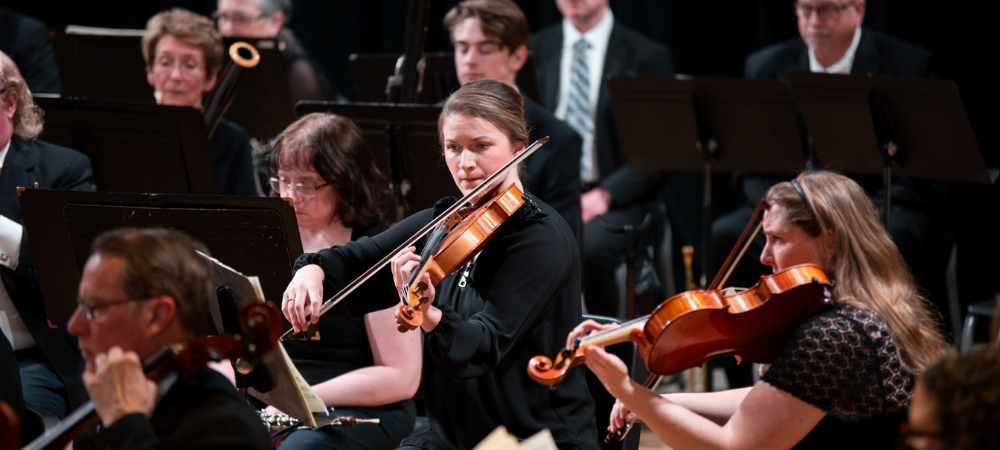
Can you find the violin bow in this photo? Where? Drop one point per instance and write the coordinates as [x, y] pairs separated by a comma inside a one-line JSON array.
[[730, 264], [484, 186]]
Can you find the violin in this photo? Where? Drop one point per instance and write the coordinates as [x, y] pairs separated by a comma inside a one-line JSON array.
[[692, 327], [442, 226], [465, 238], [260, 324]]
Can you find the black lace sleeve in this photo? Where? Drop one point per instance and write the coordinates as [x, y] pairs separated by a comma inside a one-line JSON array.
[[844, 362]]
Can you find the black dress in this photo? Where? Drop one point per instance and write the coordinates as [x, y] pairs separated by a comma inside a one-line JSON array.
[[343, 346], [521, 298], [843, 360]]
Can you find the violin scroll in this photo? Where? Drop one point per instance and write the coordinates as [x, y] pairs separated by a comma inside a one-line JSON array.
[[548, 373]]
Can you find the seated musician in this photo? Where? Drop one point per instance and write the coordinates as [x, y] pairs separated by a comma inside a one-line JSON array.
[[491, 40], [359, 365], [42, 355], [484, 322], [845, 377], [143, 289], [956, 403], [183, 53], [267, 19]]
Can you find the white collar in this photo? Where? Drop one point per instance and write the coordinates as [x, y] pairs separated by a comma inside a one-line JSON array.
[[599, 34], [3, 153], [844, 65]]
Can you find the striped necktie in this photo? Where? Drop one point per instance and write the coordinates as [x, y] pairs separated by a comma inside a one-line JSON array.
[[578, 108]]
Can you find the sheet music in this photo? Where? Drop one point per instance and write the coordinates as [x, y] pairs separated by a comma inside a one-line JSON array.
[[291, 394]]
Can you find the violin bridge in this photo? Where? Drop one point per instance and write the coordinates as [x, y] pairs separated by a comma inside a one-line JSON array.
[[452, 220]]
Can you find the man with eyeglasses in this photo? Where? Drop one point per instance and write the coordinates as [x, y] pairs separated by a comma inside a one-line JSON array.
[[267, 19], [831, 40], [141, 290], [183, 54], [33, 349]]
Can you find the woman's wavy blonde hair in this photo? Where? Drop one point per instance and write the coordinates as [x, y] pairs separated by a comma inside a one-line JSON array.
[[28, 117], [868, 268]]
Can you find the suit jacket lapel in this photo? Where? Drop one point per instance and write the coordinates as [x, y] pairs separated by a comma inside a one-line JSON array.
[[866, 56], [616, 59], [18, 170], [549, 71], [617, 53], [800, 63]]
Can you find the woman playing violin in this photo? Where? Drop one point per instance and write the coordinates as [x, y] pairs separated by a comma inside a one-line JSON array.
[[845, 377], [519, 296]]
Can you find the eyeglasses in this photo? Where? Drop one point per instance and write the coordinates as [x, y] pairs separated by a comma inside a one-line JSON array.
[[824, 12], [89, 308], [304, 190], [187, 68], [241, 19]]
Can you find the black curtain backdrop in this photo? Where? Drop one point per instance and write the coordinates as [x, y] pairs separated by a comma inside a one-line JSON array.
[[709, 38]]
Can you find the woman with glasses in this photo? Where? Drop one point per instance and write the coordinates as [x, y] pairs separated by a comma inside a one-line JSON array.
[[844, 378], [183, 54], [267, 19], [359, 365]]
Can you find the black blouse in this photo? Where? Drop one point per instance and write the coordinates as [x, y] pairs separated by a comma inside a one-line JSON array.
[[342, 345], [521, 298], [843, 360]]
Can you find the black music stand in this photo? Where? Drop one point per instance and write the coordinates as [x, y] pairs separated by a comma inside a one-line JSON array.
[[708, 125], [404, 139], [370, 72], [262, 105], [253, 235], [886, 125], [97, 66], [134, 147]]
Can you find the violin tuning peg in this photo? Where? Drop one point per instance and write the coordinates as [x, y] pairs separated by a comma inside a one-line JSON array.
[[422, 285]]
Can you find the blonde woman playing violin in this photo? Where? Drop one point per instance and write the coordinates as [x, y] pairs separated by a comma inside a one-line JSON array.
[[844, 378]]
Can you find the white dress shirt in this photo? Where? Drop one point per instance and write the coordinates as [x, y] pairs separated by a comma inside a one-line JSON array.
[[11, 324], [844, 65], [597, 37]]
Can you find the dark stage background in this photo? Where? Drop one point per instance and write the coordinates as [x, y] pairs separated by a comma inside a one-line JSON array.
[[709, 38]]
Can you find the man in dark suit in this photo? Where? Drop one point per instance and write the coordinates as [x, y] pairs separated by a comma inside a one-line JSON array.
[[140, 291], [491, 40], [26, 41], [48, 361], [831, 40], [622, 195]]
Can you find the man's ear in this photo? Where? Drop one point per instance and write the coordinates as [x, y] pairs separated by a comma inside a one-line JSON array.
[[164, 311], [10, 105], [275, 22], [211, 82], [518, 58], [861, 5]]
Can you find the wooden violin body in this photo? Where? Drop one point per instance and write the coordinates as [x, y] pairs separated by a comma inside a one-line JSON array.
[[691, 327], [469, 231]]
